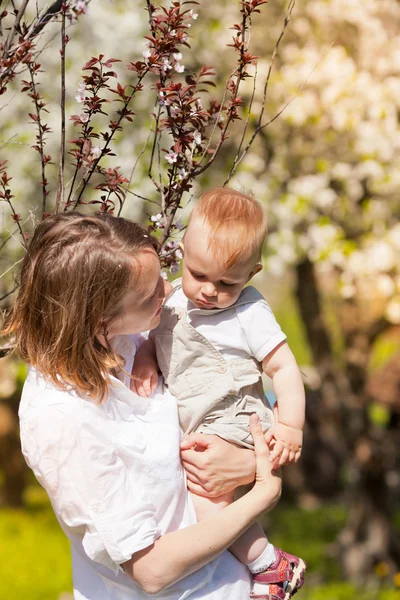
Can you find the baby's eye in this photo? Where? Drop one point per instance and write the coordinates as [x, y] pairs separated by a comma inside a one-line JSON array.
[[197, 275], [228, 284]]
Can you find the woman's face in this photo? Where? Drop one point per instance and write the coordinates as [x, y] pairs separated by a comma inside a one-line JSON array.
[[141, 306]]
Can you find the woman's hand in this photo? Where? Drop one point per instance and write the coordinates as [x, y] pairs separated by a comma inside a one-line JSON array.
[[268, 482], [215, 467]]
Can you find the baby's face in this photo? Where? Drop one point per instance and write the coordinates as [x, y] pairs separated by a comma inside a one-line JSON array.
[[205, 280]]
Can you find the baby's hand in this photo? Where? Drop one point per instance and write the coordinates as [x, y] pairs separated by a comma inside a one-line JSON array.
[[146, 377], [285, 444]]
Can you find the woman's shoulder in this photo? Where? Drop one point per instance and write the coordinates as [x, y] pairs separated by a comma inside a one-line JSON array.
[[42, 396]]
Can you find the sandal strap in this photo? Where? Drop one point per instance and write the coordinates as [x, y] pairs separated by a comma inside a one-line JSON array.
[[274, 576], [269, 596]]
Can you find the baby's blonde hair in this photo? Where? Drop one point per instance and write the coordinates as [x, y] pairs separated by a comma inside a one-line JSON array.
[[237, 224]]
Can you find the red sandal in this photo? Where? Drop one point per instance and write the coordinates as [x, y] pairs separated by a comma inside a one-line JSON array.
[[282, 579]]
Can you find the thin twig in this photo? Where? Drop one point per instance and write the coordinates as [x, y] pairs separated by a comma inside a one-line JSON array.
[[60, 188], [40, 139], [246, 125], [139, 196], [261, 127], [15, 26], [9, 293], [217, 120], [10, 268], [48, 13], [92, 169], [156, 132], [239, 72], [237, 160], [143, 150]]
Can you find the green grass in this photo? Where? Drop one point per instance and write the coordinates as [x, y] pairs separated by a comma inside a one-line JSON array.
[[308, 534], [35, 558]]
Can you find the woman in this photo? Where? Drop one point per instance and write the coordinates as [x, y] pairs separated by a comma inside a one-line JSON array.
[[108, 459]]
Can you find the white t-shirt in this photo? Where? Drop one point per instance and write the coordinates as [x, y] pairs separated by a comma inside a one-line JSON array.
[[114, 478], [237, 332]]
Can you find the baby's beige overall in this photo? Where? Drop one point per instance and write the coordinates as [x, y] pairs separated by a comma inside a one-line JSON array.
[[214, 395]]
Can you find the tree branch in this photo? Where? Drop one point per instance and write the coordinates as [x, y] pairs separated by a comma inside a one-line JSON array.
[[60, 188]]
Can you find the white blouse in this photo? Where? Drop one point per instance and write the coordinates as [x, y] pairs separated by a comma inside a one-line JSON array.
[[114, 478]]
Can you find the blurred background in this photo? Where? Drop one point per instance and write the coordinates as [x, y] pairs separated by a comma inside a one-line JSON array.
[[328, 172]]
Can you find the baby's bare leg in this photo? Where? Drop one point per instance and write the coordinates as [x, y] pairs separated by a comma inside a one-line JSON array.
[[250, 545]]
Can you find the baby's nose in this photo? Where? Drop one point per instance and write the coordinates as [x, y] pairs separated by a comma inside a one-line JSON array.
[[209, 289]]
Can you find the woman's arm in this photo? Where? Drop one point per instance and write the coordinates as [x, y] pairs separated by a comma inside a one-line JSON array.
[[177, 554], [215, 467]]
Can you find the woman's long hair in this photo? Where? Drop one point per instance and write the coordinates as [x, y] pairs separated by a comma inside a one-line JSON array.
[[73, 278]]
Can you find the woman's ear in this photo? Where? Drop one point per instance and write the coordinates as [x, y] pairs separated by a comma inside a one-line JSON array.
[[256, 269]]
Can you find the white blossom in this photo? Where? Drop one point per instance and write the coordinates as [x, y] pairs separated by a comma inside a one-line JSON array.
[[385, 285], [393, 310], [174, 268], [197, 138], [179, 68], [163, 99], [181, 175], [276, 266], [156, 218], [96, 151], [171, 157], [81, 6], [166, 65], [177, 56], [380, 256], [80, 95]]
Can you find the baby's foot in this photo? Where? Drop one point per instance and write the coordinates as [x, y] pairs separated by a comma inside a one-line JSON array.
[[281, 580]]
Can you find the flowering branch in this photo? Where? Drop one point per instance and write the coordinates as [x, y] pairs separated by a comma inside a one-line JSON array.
[[180, 121], [259, 126], [43, 128], [94, 83], [6, 195], [64, 41]]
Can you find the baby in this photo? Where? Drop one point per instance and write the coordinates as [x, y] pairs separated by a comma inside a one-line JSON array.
[[215, 339]]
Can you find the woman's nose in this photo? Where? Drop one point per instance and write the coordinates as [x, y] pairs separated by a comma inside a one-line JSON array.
[[209, 289], [167, 288]]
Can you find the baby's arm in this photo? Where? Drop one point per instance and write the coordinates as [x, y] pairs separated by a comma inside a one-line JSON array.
[[285, 438], [145, 370]]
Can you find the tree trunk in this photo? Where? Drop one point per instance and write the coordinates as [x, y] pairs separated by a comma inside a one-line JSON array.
[[12, 463]]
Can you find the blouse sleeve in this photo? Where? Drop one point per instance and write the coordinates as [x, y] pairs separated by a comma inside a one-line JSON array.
[[261, 329], [90, 487]]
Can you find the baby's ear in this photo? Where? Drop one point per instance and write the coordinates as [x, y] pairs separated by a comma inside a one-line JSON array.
[[256, 269]]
